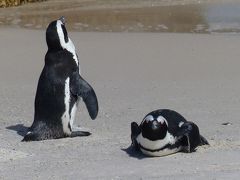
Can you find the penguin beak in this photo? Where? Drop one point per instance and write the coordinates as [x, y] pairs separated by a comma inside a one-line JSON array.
[[62, 19]]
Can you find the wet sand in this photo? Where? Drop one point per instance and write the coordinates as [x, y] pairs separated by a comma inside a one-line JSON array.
[[132, 74], [183, 16]]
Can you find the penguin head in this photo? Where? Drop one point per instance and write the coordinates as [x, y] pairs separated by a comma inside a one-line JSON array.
[[154, 127], [56, 35]]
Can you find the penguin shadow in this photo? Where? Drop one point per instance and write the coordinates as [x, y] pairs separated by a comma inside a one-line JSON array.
[[19, 128], [132, 152]]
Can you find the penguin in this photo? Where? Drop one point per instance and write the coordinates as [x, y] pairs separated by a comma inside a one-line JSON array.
[[163, 132], [59, 90]]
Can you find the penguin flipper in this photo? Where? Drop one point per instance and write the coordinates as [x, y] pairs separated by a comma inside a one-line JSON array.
[[190, 136], [135, 131], [80, 87], [203, 140]]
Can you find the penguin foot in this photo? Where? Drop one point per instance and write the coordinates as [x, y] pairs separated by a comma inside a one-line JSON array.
[[79, 131], [77, 128]]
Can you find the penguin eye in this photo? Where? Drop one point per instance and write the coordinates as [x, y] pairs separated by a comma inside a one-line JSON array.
[[161, 119], [148, 118]]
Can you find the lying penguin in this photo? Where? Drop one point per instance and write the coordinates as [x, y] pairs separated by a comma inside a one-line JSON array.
[[163, 132], [60, 87]]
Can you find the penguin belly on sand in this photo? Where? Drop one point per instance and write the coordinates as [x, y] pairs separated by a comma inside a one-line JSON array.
[[163, 132], [60, 87]]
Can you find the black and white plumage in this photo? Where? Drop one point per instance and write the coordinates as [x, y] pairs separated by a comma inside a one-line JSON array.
[[163, 132], [60, 87]]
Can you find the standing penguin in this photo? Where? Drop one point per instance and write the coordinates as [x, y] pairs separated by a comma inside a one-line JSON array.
[[60, 87], [163, 132]]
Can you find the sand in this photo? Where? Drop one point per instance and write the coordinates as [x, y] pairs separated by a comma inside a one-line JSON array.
[[132, 74]]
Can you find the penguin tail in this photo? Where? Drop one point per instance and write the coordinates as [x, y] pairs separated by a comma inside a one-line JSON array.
[[203, 141]]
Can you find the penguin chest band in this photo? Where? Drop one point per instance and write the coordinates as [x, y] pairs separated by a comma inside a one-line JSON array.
[[160, 147]]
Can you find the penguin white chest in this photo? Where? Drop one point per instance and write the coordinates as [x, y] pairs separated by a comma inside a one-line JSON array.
[[66, 115], [157, 147]]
